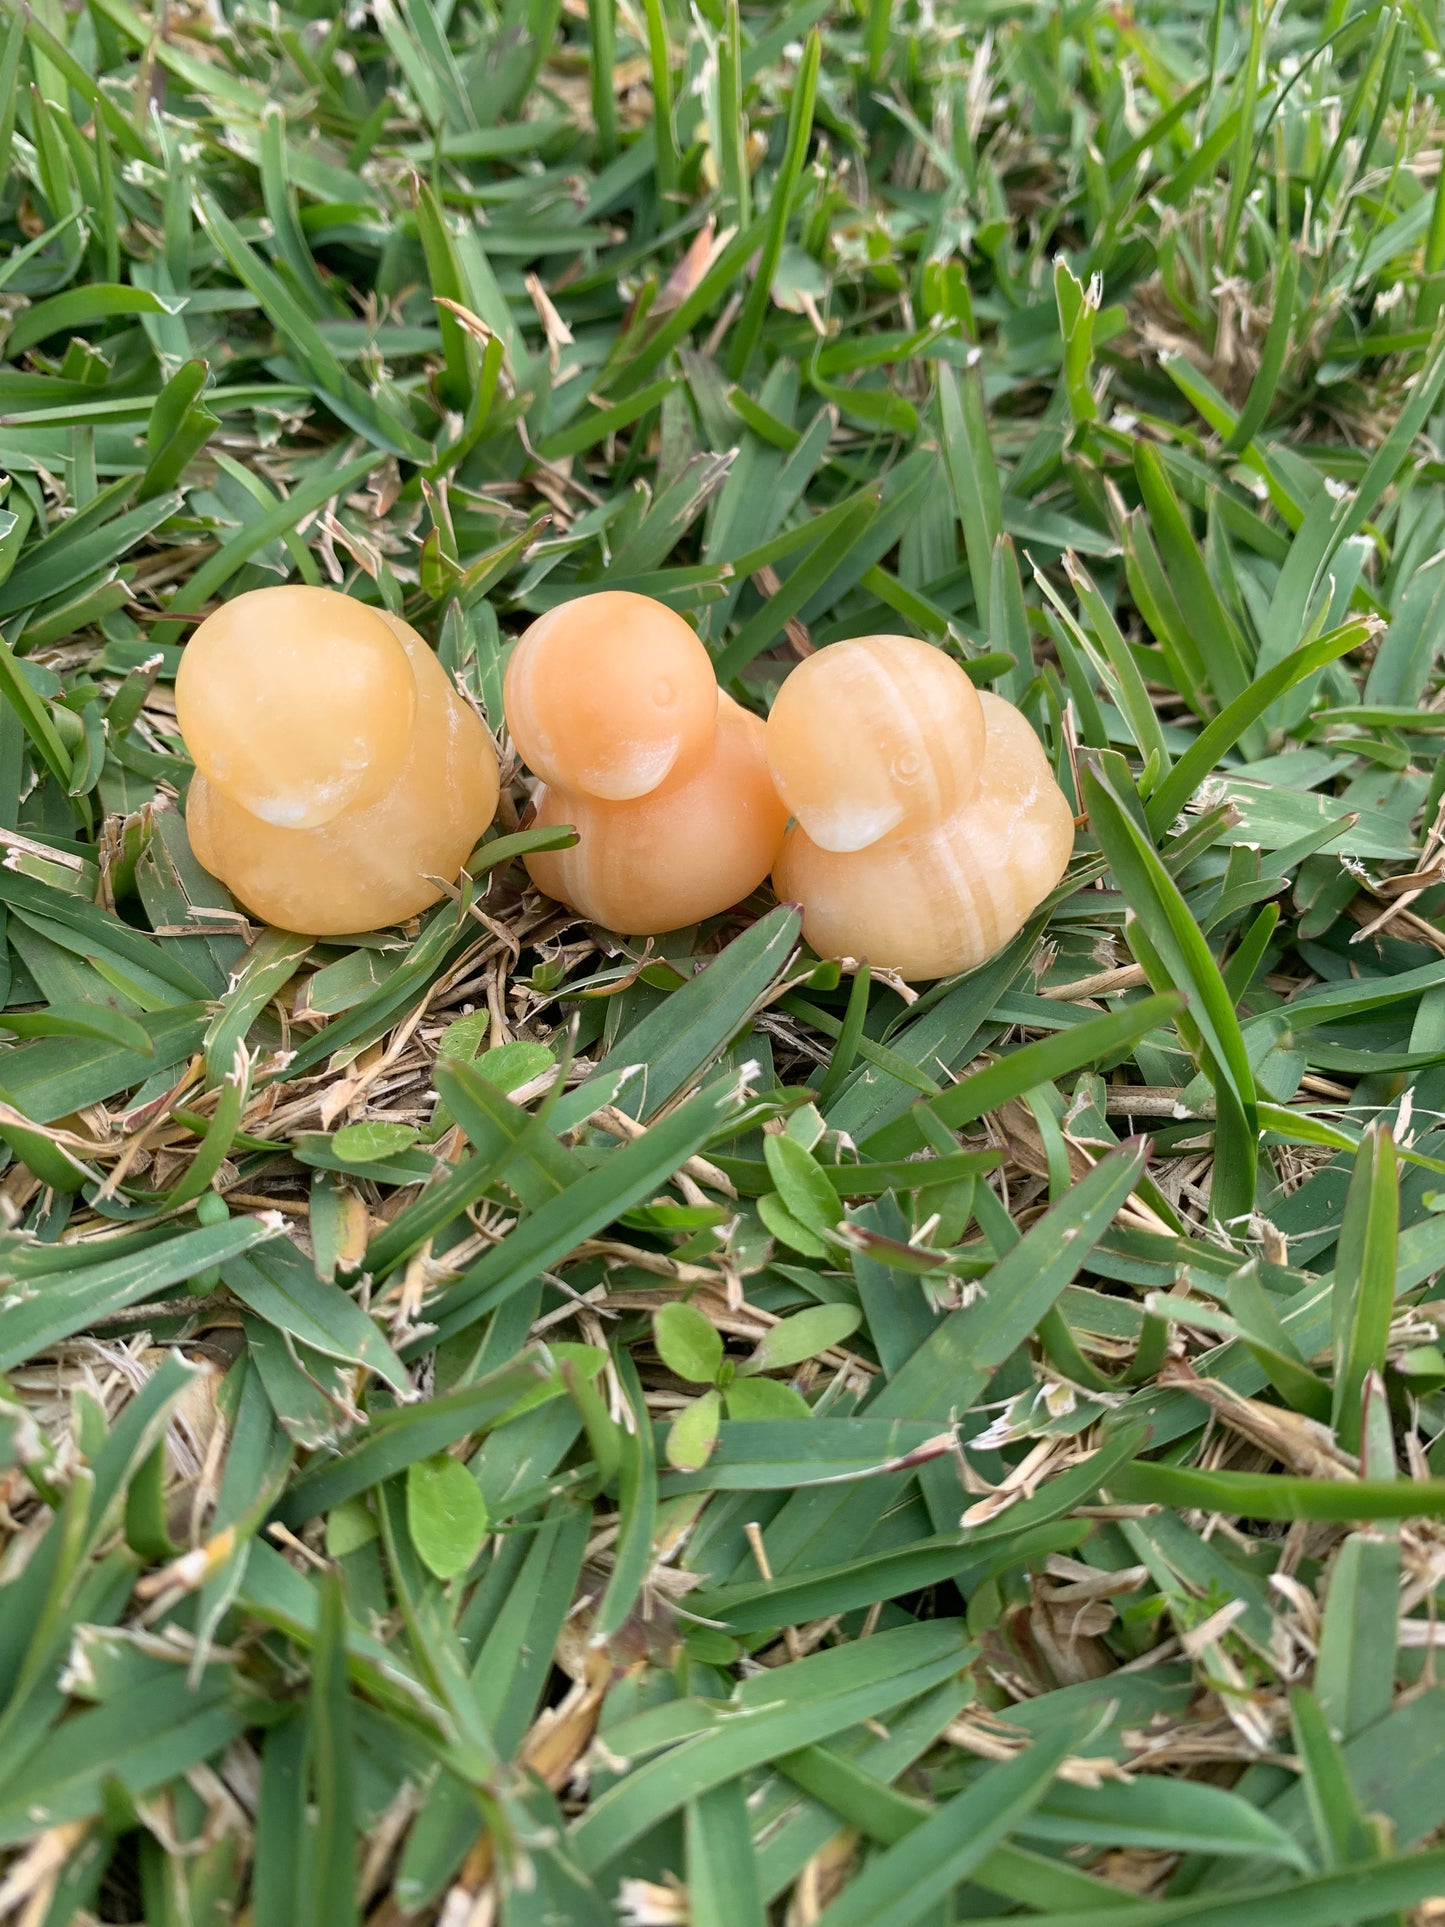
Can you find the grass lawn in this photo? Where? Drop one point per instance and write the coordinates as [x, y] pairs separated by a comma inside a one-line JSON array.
[[504, 1426]]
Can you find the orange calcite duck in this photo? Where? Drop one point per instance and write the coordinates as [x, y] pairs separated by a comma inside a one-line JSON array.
[[926, 822], [612, 701], [338, 771]]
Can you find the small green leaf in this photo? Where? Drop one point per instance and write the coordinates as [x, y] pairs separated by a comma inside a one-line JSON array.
[[803, 1336], [348, 1527], [508, 1066], [802, 1186], [365, 1143], [784, 1226], [687, 1343], [761, 1399], [693, 1433], [445, 1514]]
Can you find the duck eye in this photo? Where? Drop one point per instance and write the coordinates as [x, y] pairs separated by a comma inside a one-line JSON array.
[[663, 693], [908, 766]]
